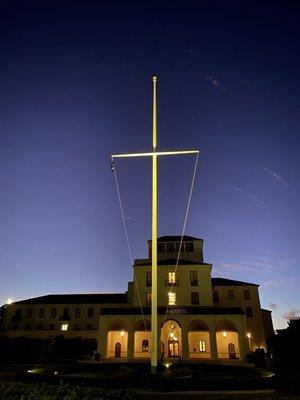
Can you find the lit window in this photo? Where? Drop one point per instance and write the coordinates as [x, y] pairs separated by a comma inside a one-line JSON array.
[[246, 294], [202, 346], [231, 295], [172, 298], [145, 345], [148, 299], [64, 327], [172, 277]]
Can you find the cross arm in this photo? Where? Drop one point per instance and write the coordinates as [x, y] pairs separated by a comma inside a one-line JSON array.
[[157, 153]]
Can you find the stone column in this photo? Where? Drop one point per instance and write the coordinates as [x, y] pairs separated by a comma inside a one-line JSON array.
[[185, 342], [130, 341], [102, 339], [243, 343], [213, 344]]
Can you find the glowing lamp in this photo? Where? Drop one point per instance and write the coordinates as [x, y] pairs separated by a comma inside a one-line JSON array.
[[224, 334], [122, 333], [249, 335], [9, 301]]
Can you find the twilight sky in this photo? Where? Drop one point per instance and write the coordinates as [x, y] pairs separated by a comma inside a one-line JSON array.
[[76, 87]]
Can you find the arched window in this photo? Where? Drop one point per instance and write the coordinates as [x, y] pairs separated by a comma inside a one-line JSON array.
[[145, 345], [202, 346]]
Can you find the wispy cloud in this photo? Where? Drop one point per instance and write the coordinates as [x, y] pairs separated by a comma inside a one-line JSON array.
[[248, 195], [276, 176], [254, 264], [132, 219], [257, 264], [292, 314], [214, 82], [273, 306], [285, 280]]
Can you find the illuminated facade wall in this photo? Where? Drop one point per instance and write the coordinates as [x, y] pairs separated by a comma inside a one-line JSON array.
[[212, 318]]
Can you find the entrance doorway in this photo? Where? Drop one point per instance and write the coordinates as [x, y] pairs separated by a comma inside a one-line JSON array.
[[173, 348], [118, 350], [231, 351], [171, 339]]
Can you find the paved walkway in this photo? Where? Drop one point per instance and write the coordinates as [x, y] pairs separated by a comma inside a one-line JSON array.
[[217, 394]]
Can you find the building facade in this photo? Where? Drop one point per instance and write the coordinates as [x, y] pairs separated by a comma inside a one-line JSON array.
[[199, 317]]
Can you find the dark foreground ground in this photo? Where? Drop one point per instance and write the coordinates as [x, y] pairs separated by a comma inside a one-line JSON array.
[[72, 381]]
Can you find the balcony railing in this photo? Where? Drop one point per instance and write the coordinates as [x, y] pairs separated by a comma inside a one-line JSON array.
[[168, 283]]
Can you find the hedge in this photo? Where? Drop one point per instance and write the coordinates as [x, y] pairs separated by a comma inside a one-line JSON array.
[[42, 391]]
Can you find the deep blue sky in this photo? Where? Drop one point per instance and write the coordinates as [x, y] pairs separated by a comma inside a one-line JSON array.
[[76, 87]]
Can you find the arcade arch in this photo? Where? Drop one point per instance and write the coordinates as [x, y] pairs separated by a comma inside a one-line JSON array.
[[142, 336], [198, 337], [117, 339], [171, 339], [227, 340]]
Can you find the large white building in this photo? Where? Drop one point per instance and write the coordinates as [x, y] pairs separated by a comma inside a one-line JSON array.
[[199, 317]]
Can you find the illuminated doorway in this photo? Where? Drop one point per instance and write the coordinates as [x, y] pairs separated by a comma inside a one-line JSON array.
[[173, 348], [171, 341], [231, 351], [118, 350]]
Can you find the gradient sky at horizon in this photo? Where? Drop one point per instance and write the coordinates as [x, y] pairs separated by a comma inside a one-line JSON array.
[[76, 87]]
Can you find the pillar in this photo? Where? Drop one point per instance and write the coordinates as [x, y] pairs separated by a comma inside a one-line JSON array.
[[243, 343], [213, 344], [185, 342], [130, 343], [102, 343]]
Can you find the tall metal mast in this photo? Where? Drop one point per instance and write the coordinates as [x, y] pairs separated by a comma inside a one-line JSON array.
[[154, 154], [154, 238]]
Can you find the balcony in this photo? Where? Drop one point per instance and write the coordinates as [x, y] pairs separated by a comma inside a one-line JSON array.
[[168, 283]]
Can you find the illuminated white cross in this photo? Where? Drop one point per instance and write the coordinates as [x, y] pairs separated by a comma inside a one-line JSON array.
[[154, 154]]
